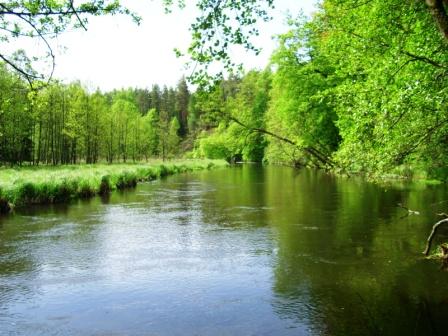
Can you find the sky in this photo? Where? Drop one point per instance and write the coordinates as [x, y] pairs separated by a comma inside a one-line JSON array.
[[117, 53]]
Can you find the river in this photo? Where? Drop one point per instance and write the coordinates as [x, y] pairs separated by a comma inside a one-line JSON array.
[[247, 250]]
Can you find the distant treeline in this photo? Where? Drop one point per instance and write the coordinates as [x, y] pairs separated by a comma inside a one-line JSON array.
[[61, 124]]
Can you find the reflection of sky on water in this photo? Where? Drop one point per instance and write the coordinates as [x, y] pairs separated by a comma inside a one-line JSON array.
[[242, 251]]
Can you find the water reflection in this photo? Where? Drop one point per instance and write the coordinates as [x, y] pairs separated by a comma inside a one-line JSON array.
[[246, 250], [359, 266]]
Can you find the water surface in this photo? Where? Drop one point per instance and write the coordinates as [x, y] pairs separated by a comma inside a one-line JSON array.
[[239, 251]]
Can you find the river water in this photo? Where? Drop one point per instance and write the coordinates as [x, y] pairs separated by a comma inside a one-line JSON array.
[[238, 251]]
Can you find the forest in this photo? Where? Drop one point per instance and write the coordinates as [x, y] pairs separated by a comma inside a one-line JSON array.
[[67, 124], [360, 87]]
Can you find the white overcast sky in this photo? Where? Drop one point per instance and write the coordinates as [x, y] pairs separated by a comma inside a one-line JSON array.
[[117, 53]]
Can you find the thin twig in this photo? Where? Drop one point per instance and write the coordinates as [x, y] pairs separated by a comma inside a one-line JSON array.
[[77, 15]]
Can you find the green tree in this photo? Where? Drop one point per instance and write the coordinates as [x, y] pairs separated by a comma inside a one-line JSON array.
[[173, 140], [16, 125], [182, 106], [150, 134]]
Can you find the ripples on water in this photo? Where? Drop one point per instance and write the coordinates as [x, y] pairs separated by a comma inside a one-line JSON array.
[[241, 251]]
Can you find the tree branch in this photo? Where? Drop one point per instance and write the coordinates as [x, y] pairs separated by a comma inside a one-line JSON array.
[[417, 143], [401, 51], [77, 15], [48, 13], [432, 234], [313, 152], [42, 37], [27, 75]]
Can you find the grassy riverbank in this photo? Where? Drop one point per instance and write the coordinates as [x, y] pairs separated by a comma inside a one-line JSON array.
[[47, 185]]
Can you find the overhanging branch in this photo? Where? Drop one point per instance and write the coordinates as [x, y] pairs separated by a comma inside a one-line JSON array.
[[432, 234], [313, 152], [27, 75]]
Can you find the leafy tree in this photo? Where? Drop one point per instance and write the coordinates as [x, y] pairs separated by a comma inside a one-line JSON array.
[[249, 105], [301, 108], [182, 105], [15, 122], [173, 137], [155, 98], [125, 112], [391, 101], [143, 100], [150, 134]]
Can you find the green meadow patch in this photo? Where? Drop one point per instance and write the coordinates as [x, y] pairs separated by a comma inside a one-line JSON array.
[[48, 185]]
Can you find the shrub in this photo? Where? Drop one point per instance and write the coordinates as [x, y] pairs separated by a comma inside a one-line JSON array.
[[26, 193], [4, 204], [126, 180], [163, 171], [86, 189], [105, 185], [62, 192]]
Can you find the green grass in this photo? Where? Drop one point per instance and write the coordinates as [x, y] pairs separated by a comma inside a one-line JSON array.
[[47, 185]]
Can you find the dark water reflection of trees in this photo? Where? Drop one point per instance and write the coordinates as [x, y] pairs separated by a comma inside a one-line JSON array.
[[349, 262]]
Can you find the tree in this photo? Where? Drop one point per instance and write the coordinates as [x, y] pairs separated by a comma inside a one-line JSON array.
[[155, 98], [150, 134], [125, 112], [301, 108], [438, 10], [143, 100], [182, 102], [391, 95], [173, 137], [220, 25], [16, 125], [249, 105], [234, 103]]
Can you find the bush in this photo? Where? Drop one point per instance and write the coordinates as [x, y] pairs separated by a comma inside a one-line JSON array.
[[163, 171], [126, 180], [4, 204], [63, 192], [105, 185], [26, 193], [86, 189]]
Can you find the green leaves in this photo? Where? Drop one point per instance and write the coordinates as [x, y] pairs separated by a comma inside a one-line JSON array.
[[44, 20], [387, 55], [222, 24]]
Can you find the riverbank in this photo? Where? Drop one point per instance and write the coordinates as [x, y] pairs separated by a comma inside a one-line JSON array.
[[48, 184]]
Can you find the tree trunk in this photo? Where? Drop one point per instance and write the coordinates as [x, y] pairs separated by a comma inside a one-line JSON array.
[[438, 12]]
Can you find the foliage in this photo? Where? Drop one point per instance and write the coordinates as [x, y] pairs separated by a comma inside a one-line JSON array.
[[358, 87], [219, 26], [391, 99], [45, 20], [345, 93], [62, 124], [246, 99]]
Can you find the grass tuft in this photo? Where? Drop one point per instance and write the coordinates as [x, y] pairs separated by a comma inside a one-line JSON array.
[[105, 186], [46, 185]]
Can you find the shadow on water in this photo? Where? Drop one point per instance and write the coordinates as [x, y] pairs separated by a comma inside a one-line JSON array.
[[359, 269]]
